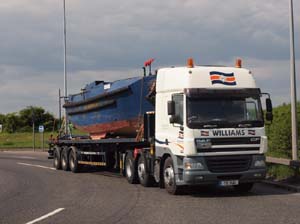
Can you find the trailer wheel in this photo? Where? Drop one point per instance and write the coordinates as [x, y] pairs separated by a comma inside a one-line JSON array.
[[145, 178], [169, 177], [65, 159], [57, 158], [244, 187], [73, 161], [131, 169]]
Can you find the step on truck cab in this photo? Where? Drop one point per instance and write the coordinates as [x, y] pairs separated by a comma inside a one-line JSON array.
[[209, 127]]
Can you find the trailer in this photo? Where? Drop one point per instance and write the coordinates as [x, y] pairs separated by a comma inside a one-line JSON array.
[[207, 126]]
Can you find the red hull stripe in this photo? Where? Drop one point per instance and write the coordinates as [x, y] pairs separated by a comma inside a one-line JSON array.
[[98, 131]]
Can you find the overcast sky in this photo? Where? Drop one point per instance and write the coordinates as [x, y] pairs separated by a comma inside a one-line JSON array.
[[109, 40]]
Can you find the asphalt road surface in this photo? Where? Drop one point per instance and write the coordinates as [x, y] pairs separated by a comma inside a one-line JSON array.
[[31, 191]]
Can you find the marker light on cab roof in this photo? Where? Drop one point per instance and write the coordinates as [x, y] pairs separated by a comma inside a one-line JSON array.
[[238, 63], [190, 63]]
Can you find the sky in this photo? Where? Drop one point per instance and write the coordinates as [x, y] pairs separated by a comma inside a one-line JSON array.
[[110, 40]]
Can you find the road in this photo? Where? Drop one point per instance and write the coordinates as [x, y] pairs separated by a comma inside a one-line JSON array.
[[30, 189]]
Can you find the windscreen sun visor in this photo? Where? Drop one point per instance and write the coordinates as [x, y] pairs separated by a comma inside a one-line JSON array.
[[214, 93]]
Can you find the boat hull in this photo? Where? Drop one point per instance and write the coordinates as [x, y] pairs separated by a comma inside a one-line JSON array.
[[111, 109]]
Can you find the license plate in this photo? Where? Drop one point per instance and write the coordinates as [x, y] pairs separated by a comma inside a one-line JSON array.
[[225, 183]]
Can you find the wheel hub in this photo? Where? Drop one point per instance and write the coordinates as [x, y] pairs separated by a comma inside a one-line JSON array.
[[128, 169], [169, 176], [141, 171], [63, 162], [72, 162]]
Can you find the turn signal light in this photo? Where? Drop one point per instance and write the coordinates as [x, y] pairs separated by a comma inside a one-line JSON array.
[[238, 63], [190, 63]]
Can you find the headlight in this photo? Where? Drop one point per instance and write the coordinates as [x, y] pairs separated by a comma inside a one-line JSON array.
[[203, 143], [195, 165], [260, 163]]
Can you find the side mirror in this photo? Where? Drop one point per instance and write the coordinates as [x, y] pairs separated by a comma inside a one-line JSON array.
[[171, 108], [269, 109], [269, 105]]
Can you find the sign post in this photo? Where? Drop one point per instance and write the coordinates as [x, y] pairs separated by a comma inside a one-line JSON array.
[[41, 130]]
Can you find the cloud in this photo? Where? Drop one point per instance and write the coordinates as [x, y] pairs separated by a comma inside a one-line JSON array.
[[24, 87], [111, 40]]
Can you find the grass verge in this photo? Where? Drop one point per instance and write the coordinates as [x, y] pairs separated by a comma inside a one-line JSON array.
[[23, 140]]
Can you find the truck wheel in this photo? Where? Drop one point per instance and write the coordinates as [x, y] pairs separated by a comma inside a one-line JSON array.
[[65, 159], [56, 158], [131, 169], [244, 187], [73, 161], [145, 178], [169, 177]]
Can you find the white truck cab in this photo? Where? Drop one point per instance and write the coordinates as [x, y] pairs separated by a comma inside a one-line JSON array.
[[209, 126]]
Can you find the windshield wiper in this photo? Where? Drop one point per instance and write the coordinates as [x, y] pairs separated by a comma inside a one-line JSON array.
[[214, 123], [210, 126], [244, 125]]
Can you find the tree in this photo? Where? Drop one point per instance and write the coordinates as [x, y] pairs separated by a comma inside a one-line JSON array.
[[39, 116], [11, 122], [2, 118], [22, 121]]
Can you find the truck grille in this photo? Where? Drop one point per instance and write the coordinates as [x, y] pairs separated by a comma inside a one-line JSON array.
[[224, 164], [235, 141], [228, 149]]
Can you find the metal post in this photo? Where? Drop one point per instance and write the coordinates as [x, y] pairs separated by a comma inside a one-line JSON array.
[[33, 128], [33, 136], [59, 109], [42, 141], [65, 66], [293, 88]]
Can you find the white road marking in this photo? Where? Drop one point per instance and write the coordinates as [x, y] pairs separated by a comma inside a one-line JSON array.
[[39, 166], [46, 216], [26, 157], [22, 157]]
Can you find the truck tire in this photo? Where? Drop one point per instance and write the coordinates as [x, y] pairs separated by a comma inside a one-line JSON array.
[[73, 161], [145, 178], [57, 158], [169, 177], [131, 169], [244, 187], [65, 159]]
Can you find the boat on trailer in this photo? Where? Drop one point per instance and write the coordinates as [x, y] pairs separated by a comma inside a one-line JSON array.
[[105, 109]]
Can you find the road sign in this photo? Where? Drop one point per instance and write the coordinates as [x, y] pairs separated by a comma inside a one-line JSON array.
[[41, 128]]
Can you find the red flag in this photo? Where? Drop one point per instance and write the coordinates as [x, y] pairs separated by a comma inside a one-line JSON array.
[[149, 62]]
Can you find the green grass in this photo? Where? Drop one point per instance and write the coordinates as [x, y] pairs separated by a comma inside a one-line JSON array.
[[280, 172], [23, 140]]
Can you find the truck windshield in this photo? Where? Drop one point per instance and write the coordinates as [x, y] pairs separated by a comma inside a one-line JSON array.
[[224, 112]]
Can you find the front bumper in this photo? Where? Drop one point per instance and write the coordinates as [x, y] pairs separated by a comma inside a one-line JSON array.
[[213, 175], [206, 177]]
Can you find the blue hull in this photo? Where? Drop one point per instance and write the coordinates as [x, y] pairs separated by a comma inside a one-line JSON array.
[[115, 108]]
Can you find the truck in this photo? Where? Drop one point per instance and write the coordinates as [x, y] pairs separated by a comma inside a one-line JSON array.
[[193, 125]]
